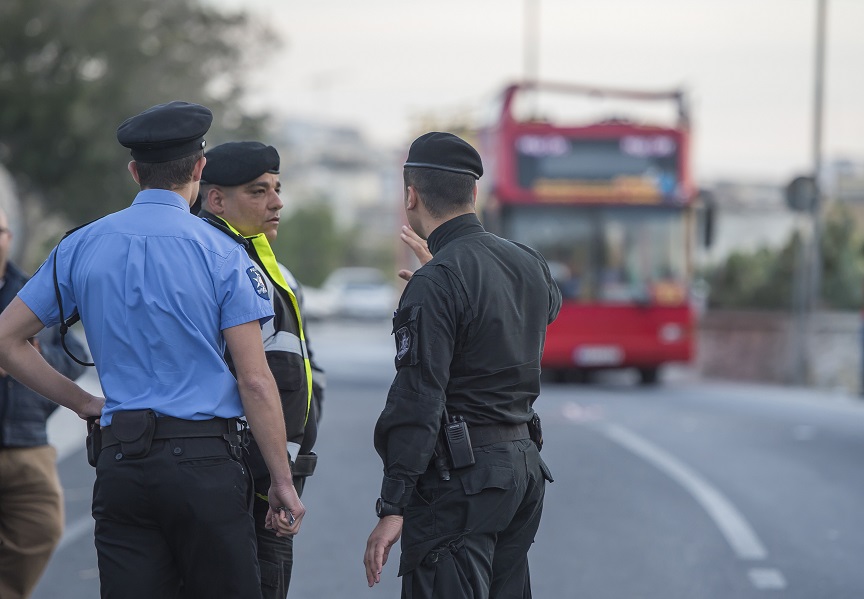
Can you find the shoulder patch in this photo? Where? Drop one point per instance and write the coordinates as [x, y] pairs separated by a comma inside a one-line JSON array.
[[258, 282], [403, 342], [406, 333]]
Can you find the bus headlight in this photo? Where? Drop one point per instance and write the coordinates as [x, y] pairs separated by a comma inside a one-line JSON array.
[[671, 332]]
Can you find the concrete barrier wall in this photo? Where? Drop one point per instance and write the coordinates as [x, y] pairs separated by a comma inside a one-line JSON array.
[[764, 346]]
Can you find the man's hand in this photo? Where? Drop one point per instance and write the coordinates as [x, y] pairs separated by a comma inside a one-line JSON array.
[[418, 246], [286, 510], [384, 535], [92, 407]]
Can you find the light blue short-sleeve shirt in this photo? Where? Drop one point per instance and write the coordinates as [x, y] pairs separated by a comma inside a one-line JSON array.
[[155, 286]]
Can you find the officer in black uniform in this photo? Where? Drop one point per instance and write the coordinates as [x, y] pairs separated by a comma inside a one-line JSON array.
[[469, 334], [240, 191]]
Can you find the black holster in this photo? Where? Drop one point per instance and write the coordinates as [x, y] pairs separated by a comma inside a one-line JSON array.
[[535, 430], [238, 441], [94, 440], [304, 465], [134, 430], [439, 458]]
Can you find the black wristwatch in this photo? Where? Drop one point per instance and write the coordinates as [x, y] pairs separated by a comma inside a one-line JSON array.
[[382, 508]]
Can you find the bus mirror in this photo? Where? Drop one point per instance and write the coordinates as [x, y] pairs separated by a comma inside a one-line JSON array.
[[706, 205]]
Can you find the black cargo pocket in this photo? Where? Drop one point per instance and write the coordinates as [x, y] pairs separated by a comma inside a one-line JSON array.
[[209, 462], [547, 474], [430, 552], [271, 574], [405, 333], [493, 477]]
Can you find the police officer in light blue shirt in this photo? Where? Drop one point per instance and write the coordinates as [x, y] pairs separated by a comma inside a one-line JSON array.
[[161, 294]]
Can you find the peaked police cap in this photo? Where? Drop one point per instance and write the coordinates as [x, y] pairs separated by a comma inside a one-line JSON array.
[[166, 131]]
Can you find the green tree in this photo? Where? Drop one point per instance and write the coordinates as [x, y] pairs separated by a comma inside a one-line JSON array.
[[842, 261], [764, 279], [72, 70], [363, 248], [310, 244]]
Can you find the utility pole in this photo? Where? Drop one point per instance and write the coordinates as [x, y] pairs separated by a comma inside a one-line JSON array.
[[804, 195], [814, 279], [818, 114], [531, 40]]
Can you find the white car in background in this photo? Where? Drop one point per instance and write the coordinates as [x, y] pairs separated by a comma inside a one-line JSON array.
[[352, 292]]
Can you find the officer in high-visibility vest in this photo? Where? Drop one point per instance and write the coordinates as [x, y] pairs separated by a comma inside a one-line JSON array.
[[240, 191]]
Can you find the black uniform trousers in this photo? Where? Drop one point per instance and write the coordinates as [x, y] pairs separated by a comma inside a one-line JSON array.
[[275, 554], [176, 516], [468, 538]]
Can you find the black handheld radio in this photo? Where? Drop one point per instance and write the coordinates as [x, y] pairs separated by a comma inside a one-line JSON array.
[[458, 442]]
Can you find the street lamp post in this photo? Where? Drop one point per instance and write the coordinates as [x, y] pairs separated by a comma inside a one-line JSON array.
[[818, 115], [804, 194], [531, 40]]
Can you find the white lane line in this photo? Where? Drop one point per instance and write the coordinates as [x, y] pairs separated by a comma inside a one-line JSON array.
[[728, 519], [575, 412], [77, 529], [766, 579]]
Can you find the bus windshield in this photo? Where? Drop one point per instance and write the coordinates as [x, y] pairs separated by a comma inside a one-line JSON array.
[[607, 254]]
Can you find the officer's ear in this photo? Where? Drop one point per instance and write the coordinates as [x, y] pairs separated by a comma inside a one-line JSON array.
[[216, 200], [198, 169], [412, 198], [133, 170]]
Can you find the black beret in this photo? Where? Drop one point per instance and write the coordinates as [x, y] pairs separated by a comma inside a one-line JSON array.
[[445, 152], [166, 131], [238, 162]]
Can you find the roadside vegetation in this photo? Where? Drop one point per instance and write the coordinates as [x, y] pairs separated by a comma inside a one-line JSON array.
[[765, 279]]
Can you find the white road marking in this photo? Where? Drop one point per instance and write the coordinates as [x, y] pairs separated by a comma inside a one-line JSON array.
[[767, 578], [732, 525], [575, 412], [803, 432]]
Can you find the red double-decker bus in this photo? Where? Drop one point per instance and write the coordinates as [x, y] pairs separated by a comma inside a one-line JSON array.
[[608, 202]]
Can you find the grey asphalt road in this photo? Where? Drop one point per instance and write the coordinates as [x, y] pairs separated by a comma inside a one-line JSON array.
[[690, 490]]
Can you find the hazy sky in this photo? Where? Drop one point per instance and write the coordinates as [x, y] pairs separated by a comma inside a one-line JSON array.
[[747, 64]]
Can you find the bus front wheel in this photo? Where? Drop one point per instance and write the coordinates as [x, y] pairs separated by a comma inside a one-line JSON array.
[[649, 376]]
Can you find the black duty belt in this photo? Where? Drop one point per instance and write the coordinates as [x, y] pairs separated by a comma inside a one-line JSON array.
[[488, 434], [177, 428]]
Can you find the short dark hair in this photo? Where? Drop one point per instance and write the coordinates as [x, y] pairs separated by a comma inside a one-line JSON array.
[[167, 175], [443, 192]]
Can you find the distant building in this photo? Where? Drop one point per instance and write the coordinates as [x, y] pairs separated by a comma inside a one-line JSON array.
[[752, 215], [749, 216], [844, 181], [335, 164]]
